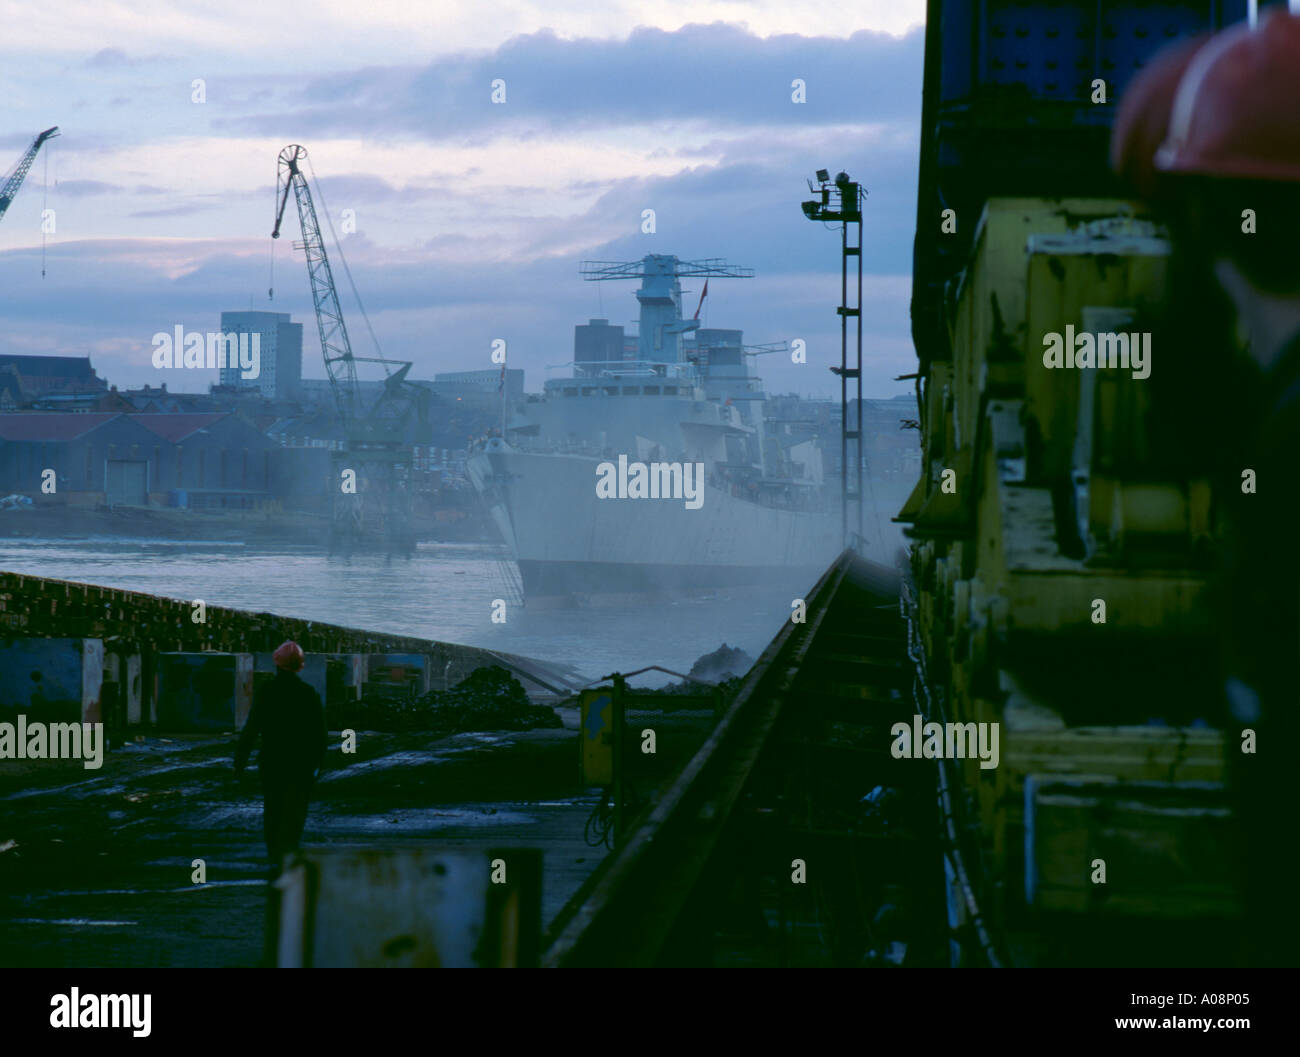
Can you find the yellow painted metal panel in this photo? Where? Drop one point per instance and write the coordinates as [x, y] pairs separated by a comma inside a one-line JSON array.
[[598, 736]]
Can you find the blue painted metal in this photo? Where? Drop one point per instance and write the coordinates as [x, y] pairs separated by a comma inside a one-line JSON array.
[[203, 691], [51, 680], [1007, 109]]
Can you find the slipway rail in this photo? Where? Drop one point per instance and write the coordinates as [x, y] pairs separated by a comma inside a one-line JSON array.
[[760, 850]]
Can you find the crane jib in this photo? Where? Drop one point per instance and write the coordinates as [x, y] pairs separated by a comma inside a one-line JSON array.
[[15, 180]]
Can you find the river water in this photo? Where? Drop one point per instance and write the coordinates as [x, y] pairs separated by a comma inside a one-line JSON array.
[[444, 592]]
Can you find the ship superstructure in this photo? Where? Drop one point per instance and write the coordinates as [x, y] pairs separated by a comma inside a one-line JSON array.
[[677, 399]]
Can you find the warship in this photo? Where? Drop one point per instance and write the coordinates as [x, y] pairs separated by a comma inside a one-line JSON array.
[[676, 403]]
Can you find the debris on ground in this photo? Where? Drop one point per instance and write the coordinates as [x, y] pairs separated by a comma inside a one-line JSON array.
[[487, 699], [723, 663], [727, 689], [725, 668]]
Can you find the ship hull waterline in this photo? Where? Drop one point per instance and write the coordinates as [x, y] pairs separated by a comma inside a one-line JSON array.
[[575, 548]]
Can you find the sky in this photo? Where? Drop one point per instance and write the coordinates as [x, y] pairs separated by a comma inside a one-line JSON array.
[[471, 217]]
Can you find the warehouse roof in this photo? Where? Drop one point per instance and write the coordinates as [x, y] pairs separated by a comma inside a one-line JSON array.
[[50, 426], [175, 428], [50, 366]]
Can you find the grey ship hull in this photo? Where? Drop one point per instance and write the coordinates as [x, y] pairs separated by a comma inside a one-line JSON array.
[[571, 545]]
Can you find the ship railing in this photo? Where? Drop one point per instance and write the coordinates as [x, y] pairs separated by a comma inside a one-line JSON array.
[[540, 447], [588, 370]]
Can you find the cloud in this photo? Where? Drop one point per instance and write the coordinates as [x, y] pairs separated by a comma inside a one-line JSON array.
[[472, 218], [108, 58], [442, 309], [343, 32], [84, 188], [370, 188], [177, 211], [717, 76]]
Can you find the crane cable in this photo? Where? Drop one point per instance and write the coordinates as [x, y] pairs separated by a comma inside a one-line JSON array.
[[347, 271], [45, 198]]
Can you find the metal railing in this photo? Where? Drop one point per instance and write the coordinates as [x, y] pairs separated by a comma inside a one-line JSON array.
[[596, 370]]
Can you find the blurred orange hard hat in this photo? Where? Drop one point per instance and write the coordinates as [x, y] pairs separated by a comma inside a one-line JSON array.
[[1236, 113], [289, 656], [1142, 123]]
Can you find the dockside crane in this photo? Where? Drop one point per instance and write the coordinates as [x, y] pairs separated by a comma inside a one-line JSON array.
[[19, 173], [376, 444], [335, 345]]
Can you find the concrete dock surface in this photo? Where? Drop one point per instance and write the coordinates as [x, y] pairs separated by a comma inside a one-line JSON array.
[[96, 866]]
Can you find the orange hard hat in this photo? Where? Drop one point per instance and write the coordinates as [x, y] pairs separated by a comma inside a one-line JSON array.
[[1142, 123], [289, 656], [1235, 114]]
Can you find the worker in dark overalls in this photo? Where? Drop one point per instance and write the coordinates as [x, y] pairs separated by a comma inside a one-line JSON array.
[[287, 715], [1210, 132]]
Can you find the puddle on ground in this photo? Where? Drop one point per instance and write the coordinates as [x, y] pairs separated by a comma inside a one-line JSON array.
[[82, 893], [78, 922], [79, 790], [397, 759], [326, 818]]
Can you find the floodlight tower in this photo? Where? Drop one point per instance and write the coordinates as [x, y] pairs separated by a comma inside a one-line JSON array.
[[840, 202]]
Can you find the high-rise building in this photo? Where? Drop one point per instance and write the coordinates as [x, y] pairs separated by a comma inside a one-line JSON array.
[[280, 356]]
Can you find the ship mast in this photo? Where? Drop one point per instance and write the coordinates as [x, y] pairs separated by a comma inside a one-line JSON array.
[[661, 324]]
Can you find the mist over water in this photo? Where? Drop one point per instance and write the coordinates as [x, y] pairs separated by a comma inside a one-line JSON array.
[[443, 592]]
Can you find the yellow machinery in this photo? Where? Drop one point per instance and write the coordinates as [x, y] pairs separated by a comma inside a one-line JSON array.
[[1058, 582]]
